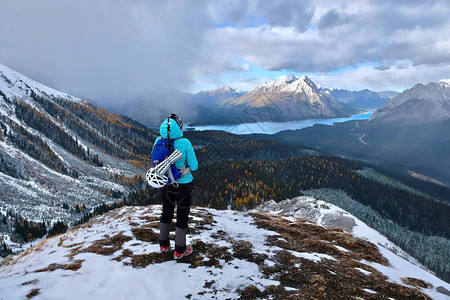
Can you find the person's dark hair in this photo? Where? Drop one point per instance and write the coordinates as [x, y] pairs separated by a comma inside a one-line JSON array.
[[177, 119]]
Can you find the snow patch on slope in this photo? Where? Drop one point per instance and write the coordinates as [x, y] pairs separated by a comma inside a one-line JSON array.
[[329, 215], [14, 84]]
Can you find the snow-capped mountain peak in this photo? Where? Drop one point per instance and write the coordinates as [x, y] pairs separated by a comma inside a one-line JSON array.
[[290, 78], [421, 104], [445, 82], [291, 98], [225, 91]]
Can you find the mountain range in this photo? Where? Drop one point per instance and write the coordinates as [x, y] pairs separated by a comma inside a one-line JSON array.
[[364, 99], [409, 133], [288, 99]]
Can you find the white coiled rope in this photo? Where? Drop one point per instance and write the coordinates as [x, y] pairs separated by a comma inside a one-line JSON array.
[[156, 176]]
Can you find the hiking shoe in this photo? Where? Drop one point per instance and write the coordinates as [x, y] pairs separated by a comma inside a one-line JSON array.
[[186, 252], [165, 249]]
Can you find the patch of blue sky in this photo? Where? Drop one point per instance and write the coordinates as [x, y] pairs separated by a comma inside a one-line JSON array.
[[250, 21], [254, 21], [226, 25]]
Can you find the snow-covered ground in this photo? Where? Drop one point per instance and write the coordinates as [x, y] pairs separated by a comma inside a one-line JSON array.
[[15, 84], [322, 213], [116, 256], [103, 278]]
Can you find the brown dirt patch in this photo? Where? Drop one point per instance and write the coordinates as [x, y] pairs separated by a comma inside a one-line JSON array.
[[250, 292], [244, 250], [53, 267], [106, 246], [416, 282], [212, 252], [149, 219], [33, 293], [34, 281], [143, 260], [146, 235]]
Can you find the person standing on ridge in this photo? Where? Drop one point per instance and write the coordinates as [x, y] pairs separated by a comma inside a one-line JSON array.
[[179, 193]]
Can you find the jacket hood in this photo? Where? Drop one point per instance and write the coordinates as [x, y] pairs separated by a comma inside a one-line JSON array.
[[175, 131]]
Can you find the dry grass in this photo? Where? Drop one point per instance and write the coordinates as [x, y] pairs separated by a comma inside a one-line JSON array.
[[336, 278], [327, 279]]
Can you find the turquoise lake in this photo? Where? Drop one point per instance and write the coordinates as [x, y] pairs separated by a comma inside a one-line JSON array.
[[274, 127]]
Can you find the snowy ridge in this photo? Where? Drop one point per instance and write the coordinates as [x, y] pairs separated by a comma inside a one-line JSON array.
[[58, 153], [223, 90], [420, 104], [249, 255], [15, 85], [329, 215], [42, 201]]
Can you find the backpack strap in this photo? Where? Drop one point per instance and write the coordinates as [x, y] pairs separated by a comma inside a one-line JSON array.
[[169, 146], [163, 138]]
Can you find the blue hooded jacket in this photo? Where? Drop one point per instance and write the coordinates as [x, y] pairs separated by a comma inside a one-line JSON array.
[[181, 144]]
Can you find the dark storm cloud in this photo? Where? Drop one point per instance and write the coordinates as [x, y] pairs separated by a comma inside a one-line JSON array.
[[297, 14], [107, 50], [260, 12], [229, 12], [332, 18]]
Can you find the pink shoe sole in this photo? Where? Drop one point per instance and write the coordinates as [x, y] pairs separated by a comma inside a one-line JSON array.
[[164, 249], [186, 252]]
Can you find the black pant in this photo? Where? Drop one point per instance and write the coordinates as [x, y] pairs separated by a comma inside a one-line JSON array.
[[176, 196]]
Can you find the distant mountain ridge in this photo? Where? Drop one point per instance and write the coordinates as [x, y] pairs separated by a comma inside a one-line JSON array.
[[445, 82], [364, 99], [421, 104], [225, 92], [290, 99], [287, 99]]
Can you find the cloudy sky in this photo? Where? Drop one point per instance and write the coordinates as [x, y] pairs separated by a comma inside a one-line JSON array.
[[114, 50]]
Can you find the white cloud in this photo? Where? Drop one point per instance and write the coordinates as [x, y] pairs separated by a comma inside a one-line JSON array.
[[400, 76]]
